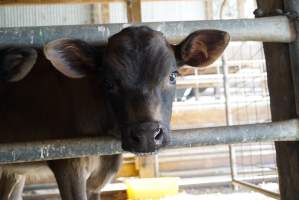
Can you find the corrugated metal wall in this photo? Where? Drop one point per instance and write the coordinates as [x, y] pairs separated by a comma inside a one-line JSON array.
[[173, 10], [44, 15], [118, 12], [68, 14]]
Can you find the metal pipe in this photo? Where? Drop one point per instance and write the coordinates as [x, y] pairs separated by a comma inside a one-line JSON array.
[[228, 117], [68, 148], [267, 29], [264, 132], [255, 188]]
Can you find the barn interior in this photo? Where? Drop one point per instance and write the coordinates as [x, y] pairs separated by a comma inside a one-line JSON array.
[[234, 90]]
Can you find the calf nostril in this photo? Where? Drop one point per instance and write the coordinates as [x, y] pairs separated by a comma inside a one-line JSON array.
[[135, 139], [158, 135]]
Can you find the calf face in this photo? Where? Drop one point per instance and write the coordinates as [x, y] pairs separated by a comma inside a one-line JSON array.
[[138, 70], [16, 63]]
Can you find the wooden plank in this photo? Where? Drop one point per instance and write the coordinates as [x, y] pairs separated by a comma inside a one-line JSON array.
[[283, 107], [128, 170], [111, 195], [134, 11], [43, 196]]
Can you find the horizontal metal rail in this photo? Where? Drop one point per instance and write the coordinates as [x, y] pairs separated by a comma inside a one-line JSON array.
[[267, 29], [255, 188], [68, 148]]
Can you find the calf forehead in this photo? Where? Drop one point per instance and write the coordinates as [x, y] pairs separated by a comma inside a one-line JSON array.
[[139, 54]]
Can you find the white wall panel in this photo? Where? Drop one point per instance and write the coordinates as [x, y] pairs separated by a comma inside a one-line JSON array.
[[118, 12], [173, 10], [44, 15]]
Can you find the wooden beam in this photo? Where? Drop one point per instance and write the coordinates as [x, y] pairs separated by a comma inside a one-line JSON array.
[[111, 195], [26, 2], [283, 107], [134, 11], [20, 2]]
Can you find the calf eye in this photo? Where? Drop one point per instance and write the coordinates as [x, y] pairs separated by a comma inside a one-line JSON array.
[[109, 85], [172, 77]]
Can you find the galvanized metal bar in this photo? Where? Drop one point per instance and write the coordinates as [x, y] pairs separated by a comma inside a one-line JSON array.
[[228, 118], [255, 188], [264, 132], [68, 148], [268, 29]]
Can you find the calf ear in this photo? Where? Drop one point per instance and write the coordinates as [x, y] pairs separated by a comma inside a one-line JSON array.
[[16, 63], [74, 58], [201, 48]]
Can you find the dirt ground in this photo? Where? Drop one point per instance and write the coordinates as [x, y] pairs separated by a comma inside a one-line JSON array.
[[224, 192]]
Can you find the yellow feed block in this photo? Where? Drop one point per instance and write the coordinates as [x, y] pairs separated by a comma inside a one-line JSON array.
[[151, 188]]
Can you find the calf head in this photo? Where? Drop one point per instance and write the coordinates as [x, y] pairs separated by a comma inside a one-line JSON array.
[[138, 69], [16, 63]]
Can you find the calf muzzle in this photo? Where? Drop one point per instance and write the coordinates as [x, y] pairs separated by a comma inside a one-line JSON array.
[[146, 137]]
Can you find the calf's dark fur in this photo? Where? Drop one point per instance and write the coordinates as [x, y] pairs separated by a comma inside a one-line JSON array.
[[124, 88]]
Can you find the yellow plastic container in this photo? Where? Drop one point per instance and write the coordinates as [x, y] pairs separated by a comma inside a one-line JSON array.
[[152, 188]]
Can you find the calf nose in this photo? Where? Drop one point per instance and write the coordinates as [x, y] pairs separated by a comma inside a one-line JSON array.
[[144, 137], [147, 136]]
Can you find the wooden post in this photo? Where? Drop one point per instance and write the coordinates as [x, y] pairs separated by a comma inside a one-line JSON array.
[[241, 11], [94, 14], [105, 12], [100, 13], [283, 107], [134, 11], [146, 166], [209, 9]]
